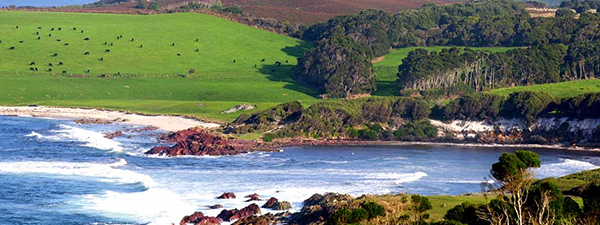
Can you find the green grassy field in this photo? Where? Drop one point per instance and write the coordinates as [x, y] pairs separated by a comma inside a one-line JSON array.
[[153, 79], [560, 90], [387, 68]]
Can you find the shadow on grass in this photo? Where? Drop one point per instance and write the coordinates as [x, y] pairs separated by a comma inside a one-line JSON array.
[[297, 50], [387, 88], [284, 73]]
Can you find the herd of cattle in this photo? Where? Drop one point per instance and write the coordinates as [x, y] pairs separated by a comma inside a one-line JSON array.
[[50, 65]]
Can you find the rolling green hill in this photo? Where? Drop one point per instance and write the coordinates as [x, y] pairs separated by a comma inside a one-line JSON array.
[[143, 71]]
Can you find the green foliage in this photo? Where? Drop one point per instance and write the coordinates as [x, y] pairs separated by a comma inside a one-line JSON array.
[[510, 166], [335, 69], [591, 200], [233, 9], [373, 209], [472, 107], [154, 6], [268, 137], [367, 134], [465, 213], [420, 203], [527, 105], [267, 119], [564, 12], [140, 5], [416, 130]]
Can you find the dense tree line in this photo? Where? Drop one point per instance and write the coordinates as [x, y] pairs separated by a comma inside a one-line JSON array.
[[580, 6], [373, 33]]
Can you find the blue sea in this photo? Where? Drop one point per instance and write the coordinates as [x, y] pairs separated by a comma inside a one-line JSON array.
[[44, 3], [58, 172]]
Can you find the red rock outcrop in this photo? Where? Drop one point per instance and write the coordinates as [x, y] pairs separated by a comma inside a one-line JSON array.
[[199, 219], [270, 203], [195, 141], [235, 214], [253, 197], [227, 195]]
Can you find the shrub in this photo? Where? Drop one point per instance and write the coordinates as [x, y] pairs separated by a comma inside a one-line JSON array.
[[154, 6], [374, 209], [367, 134], [268, 137]]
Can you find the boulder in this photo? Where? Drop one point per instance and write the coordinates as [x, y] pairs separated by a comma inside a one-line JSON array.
[[112, 135], [227, 195], [253, 197], [195, 141], [235, 214], [267, 219], [270, 203], [281, 206], [199, 219]]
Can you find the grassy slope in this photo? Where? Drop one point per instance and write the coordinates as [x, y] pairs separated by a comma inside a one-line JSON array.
[[151, 83], [387, 69], [561, 90]]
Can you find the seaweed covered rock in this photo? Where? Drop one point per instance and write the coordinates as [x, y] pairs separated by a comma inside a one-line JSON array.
[[318, 208], [195, 141], [267, 119], [270, 203], [281, 206], [267, 219], [227, 195]]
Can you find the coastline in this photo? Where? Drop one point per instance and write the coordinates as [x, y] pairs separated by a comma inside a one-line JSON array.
[[163, 122]]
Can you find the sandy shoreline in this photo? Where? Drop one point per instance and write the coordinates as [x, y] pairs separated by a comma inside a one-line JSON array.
[[167, 123]]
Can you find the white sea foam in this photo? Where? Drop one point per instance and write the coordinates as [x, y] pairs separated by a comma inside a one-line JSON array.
[[90, 138], [102, 172], [565, 167], [399, 178], [34, 134], [154, 206]]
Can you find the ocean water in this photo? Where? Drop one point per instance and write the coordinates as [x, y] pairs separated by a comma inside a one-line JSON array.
[[58, 172], [44, 3]]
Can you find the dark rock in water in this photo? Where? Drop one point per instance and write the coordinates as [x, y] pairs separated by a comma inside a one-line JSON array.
[[216, 206], [227, 195], [113, 134], [253, 197], [281, 206], [199, 219], [235, 214], [270, 203], [195, 141]]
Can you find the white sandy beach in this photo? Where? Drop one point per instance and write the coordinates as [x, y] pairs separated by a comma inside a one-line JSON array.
[[167, 123]]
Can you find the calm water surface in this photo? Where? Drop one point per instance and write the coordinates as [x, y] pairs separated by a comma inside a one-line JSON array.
[[58, 172]]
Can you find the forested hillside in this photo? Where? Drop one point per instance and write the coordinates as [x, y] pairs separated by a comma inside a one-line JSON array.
[[551, 48]]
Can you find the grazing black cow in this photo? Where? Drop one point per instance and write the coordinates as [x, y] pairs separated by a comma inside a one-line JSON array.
[[52, 29], [31, 68], [105, 43], [118, 37], [262, 60], [32, 63], [49, 69], [64, 72], [11, 48], [59, 28], [82, 31], [254, 65], [111, 44], [60, 63], [66, 44], [178, 54], [121, 36], [141, 46], [17, 27], [55, 54], [0, 41], [107, 50], [86, 53], [49, 35], [101, 59], [21, 42], [36, 69], [286, 61], [172, 44], [39, 38], [87, 71], [37, 33], [234, 61], [57, 39], [278, 63], [74, 28], [132, 40], [86, 39], [197, 40], [39, 28], [50, 64], [197, 50]]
